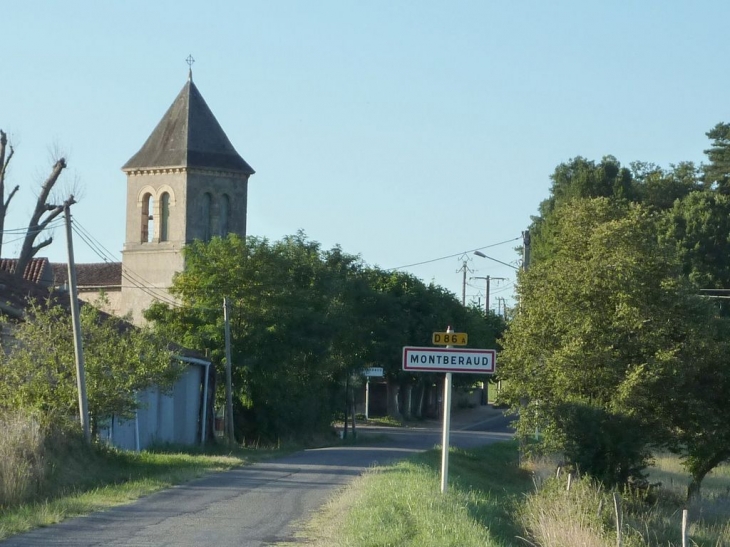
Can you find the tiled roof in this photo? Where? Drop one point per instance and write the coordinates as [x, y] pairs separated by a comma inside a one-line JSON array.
[[188, 136], [14, 294], [37, 271], [101, 274]]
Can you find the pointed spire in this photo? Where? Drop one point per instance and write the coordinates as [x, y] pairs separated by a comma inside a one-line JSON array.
[[188, 136]]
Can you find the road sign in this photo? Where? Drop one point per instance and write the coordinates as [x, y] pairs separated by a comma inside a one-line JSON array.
[[373, 371], [449, 338], [474, 361]]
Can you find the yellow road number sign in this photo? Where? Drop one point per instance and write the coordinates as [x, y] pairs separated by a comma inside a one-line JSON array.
[[450, 338]]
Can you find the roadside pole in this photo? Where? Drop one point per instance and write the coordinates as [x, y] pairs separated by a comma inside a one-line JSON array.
[[78, 346], [447, 427], [229, 389], [367, 398], [448, 360], [368, 372]]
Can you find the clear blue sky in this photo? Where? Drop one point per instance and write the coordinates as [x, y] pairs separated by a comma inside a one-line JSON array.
[[403, 130]]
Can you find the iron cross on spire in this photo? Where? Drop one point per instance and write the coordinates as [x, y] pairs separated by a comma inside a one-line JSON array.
[[190, 62]]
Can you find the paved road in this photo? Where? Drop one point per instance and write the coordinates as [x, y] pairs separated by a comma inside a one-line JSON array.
[[255, 505]]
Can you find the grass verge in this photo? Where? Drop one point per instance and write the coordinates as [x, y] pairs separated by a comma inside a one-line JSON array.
[[585, 515], [492, 502], [402, 504]]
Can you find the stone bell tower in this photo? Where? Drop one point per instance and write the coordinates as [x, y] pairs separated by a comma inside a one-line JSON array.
[[187, 182]]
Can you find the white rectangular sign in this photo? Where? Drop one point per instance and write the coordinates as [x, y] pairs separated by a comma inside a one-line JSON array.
[[373, 371], [475, 361]]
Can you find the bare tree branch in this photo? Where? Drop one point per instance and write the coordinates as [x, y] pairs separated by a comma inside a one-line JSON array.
[[10, 196], [4, 162], [37, 223], [44, 243], [44, 212]]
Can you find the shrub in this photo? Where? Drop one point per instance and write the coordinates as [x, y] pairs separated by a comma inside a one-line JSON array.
[[609, 447]]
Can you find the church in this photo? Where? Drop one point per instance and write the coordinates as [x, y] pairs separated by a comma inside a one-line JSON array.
[[186, 182]]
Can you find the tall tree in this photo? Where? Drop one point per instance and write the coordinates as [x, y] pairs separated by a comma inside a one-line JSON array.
[[289, 326], [577, 179], [608, 321], [699, 226], [717, 172], [304, 321], [659, 189]]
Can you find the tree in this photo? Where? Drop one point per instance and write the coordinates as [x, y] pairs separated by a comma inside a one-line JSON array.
[[38, 371], [405, 312], [43, 213], [290, 327], [659, 189], [645, 183], [305, 321], [717, 172], [579, 178], [699, 227], [607, 321], [5, 158]]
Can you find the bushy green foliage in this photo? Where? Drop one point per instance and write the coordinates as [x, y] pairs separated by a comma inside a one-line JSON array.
[[609, 320], [606, 445], [717, 172], [38, 371], [304, 322]]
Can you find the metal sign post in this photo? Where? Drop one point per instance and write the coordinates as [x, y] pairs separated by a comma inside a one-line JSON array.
[[448, 360], [368, 373], [447, 427], [367, 399]]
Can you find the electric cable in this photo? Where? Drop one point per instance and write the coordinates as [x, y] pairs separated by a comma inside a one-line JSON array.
[[455, 255]]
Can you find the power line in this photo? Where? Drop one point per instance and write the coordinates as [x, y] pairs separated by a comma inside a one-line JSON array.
[[133, 278], [456, 254], [54, 224]]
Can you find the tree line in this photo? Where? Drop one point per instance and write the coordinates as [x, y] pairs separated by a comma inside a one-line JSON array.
[[622, 338], [305, 322]]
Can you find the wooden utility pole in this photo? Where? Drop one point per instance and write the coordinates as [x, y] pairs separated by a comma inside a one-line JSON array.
[[525, 250], [463, 285], [78, 348], [229, 383], [464, 268], [488, 279]]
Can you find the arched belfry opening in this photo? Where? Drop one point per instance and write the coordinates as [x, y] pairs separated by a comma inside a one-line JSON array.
[[148, 226]]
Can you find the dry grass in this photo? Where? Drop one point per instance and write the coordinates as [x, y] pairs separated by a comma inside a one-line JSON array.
[[556, 517], [22, 457], [585, 516]]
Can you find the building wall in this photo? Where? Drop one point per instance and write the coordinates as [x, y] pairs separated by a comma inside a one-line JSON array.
[[150, 273], [112, 299], [217, 184], [174, 417], [152, 264]]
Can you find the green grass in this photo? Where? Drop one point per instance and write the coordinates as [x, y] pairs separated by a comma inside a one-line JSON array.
[[84, 480], [401, 505], [493, 502]]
